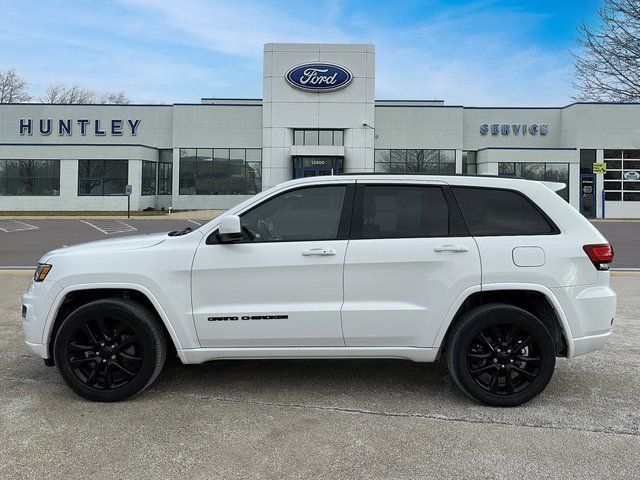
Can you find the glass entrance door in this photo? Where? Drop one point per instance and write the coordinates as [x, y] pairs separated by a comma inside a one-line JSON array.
[[588, 195], [316, 166]]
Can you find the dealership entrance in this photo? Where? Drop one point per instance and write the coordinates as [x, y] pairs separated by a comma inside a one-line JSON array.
[[304, 166], [588, 195]]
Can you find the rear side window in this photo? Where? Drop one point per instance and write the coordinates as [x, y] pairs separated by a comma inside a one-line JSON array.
[[397, 211], [493, 212]]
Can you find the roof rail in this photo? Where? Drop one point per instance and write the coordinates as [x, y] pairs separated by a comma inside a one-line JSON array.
[[480, 175]]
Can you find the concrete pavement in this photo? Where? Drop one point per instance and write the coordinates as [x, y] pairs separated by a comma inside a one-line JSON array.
[[332, 419]]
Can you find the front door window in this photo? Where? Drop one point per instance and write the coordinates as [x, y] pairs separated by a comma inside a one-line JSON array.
[[305, 214]]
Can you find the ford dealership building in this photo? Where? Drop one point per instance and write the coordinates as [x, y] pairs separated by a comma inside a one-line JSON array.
[[318, 116]]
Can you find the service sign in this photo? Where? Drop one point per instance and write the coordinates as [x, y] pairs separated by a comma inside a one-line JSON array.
[[319, 77], [514, 129]]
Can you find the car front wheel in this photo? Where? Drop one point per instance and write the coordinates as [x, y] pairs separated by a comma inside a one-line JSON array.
[[501, 355], [110, 349]]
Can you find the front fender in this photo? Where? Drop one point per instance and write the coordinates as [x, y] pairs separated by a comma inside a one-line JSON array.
[[182, 334]]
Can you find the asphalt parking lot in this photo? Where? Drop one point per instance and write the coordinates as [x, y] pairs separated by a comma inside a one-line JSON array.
[[313, 419], [24, 240]]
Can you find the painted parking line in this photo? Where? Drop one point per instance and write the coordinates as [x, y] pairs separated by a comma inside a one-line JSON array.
[[110, 226], [10, 226]]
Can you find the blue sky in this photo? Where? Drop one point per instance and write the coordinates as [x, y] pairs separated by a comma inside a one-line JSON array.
[[475, 53]]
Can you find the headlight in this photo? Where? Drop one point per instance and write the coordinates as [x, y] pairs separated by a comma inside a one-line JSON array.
[[41, 272]]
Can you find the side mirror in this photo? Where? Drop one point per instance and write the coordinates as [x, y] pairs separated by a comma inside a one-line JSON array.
[[230, 229]]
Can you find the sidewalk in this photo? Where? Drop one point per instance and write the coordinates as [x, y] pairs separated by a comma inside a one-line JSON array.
[[183, 215]]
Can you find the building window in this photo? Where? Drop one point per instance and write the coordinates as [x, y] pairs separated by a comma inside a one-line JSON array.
[[318, 137], [149, 171], [165, 172], [220, 171], [550, 172], [587, 159], [622, 180], [29, 177], [103, 177], [469, 162], [416, 161]]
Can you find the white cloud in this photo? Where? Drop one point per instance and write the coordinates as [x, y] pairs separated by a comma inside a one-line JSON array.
[[181, 50]]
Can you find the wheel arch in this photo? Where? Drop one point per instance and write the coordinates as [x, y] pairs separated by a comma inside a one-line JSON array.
[[536, 299], [73, 297]]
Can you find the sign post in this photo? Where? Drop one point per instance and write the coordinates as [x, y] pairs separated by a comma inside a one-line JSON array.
[[600, 168], [128, 191]]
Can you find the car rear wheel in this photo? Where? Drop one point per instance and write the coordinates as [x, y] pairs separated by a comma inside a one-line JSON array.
[[501, 355], [110, 349]]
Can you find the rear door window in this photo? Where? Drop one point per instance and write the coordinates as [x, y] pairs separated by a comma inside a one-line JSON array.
[[400, 211], [495, 212]]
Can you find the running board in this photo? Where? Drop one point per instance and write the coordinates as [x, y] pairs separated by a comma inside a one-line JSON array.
[[201, 355]]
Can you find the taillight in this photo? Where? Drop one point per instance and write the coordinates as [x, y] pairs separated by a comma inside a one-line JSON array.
[[600, 255]]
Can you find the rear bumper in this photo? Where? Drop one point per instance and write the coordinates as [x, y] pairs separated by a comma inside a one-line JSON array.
[[589, 344], [590, 312]]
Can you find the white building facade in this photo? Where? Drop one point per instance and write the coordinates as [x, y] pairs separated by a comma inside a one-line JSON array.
[[318, 116]]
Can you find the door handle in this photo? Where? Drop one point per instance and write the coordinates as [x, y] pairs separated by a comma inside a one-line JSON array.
[[323, 252], [451, 248]]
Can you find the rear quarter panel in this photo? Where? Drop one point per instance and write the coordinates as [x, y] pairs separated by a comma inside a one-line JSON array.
[[565, 262]]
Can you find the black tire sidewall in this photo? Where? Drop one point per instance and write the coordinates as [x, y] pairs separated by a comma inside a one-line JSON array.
[[133, 315], [483, 317]]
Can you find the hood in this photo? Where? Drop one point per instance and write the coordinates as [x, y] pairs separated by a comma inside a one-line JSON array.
[[132, 242]]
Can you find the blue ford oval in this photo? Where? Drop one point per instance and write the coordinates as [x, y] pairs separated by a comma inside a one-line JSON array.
[[319, 77]]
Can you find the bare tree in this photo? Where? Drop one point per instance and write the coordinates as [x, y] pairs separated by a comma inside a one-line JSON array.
[[61, 93], [75, 94], [13, 89], [119, 98], [608, 66]]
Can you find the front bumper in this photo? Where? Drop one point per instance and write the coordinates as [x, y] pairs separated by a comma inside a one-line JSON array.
[[40, 349], [37, 304]]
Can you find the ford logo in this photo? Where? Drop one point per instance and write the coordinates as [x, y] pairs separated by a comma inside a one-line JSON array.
[[319, 77], [631, 175]]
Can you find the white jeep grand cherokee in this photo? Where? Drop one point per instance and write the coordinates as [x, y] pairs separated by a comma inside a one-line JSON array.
[[497, 276]]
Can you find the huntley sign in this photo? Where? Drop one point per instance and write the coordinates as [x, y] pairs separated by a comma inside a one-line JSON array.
[[66, 127], [319, 77]]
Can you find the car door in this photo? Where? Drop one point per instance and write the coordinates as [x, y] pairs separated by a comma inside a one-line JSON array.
[[281, 285], [409, 258]]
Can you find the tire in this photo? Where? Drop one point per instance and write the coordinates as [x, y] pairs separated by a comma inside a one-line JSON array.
[[110, 350], [500, 355]]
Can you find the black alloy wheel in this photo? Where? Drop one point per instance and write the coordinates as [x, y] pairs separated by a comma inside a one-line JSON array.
[[110, 349], [105, 353], [500, 355], [502, 358]]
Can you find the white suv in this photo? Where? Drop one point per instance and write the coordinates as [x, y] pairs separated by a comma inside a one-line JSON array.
[[497, 276]]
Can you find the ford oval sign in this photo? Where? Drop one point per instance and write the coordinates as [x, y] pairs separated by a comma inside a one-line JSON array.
[[319, 77]]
